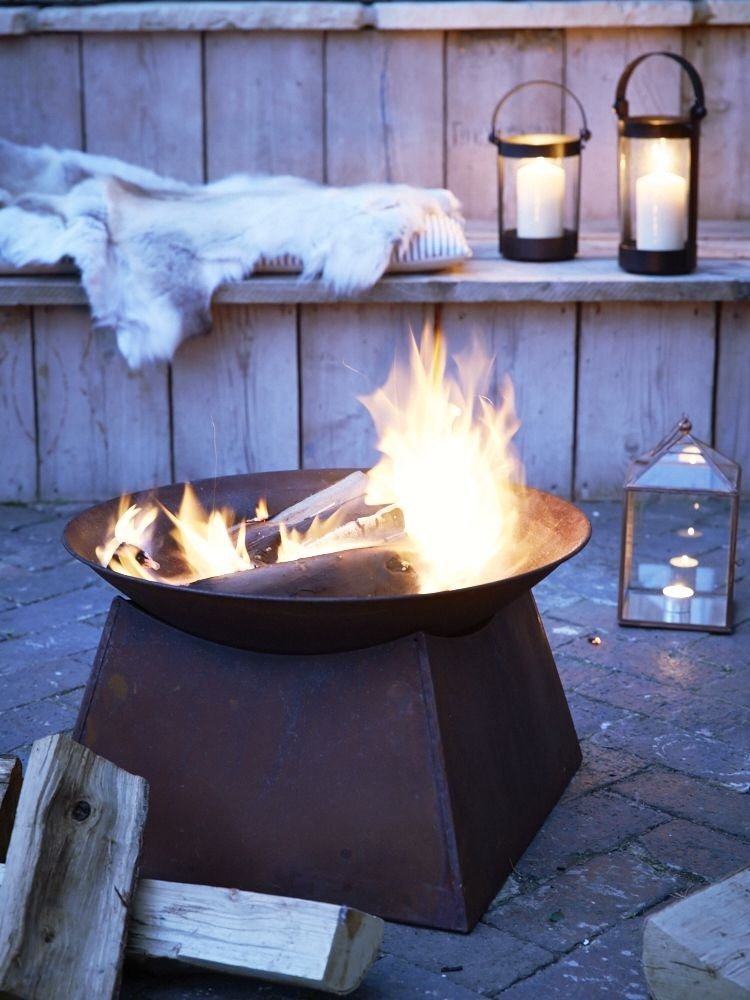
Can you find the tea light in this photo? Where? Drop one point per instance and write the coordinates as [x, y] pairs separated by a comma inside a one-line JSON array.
[[683, 562], [540, 193], [661, 201], [677, 606]]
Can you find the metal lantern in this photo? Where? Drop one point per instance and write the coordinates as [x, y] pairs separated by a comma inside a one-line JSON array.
[[658, 181], [539, 181], [679, 536]]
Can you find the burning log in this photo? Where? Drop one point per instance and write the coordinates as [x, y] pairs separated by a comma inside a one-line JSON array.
[[377, 571]]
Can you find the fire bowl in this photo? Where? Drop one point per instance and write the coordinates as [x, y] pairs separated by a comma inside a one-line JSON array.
[[552, 530]]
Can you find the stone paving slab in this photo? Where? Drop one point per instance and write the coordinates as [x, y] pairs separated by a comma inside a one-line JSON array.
[[659, 806]]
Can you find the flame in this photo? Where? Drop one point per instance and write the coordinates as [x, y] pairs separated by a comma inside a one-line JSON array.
[[447, 462], [442, 491]]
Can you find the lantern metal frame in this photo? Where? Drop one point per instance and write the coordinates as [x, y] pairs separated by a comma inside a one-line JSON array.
[[561, 146], [658, 262], [695, 615]]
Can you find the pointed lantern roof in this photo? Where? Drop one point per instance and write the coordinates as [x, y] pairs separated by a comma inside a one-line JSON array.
[[681, 462]]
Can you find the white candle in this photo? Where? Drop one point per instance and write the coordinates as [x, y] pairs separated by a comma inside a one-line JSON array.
[[660, 205], [677, 604], [540, 200]]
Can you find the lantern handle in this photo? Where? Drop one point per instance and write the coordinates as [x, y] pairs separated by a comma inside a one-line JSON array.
[[697, 111], [585, 135]]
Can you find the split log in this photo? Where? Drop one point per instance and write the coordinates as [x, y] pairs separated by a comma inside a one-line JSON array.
[[294, 941], [377, 571], [699, 947], [347, 494], [70, 875], [10, 788]]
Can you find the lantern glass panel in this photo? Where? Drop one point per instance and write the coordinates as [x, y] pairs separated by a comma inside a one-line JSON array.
[[540, 193], [655, 192], [678, 554]]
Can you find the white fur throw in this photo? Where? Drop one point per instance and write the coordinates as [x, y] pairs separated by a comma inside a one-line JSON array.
[[152, 250]]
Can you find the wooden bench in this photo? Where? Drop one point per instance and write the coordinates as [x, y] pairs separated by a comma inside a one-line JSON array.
[[603, 362]]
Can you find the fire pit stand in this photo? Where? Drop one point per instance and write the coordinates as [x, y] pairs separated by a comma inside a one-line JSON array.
[[403, 774], [405, 779]]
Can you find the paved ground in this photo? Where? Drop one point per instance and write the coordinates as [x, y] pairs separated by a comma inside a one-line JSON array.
[[659, 807]]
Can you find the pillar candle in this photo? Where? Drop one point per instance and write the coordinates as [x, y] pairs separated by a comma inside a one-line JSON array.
[[540, 194], [660, 206]]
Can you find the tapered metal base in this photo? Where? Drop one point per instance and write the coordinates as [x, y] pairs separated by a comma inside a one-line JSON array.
[[404, 779]]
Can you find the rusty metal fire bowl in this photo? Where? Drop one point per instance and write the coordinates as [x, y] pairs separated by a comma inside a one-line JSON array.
[[397, 754]]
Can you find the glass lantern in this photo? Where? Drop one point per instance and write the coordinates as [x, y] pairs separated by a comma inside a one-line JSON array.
[[658, 181], [679, 536], [539, 181]]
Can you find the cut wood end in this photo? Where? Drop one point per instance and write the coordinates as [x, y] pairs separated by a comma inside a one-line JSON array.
[[355, 947]]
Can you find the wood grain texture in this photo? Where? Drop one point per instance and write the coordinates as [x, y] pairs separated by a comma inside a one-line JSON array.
[[235, 395], [699, 947], [283, 940], [733, 378], [18, 451], [384, 108], [143, 101], [260, 120], [103, 429], [70, 875], [640, 370], [721, 56], [535, 344], [347, 351], [594, 61], [41, 88], [10, 789], [294, 941], [481, 67]]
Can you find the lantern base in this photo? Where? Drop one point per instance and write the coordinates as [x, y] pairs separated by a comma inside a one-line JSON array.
[[516, 247], [656, 262], [699, 612]]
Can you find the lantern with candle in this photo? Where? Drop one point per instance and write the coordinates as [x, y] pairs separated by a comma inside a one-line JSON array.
[[679, 536], [539, 176], [658, 181]]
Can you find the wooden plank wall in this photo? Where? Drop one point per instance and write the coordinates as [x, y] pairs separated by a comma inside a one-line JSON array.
[[275, 386]]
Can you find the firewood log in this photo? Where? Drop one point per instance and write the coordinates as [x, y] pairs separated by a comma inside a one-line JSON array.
[[377, 571]]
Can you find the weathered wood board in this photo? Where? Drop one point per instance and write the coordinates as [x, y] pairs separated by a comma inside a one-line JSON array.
[[640, 370], [481, 67], [235, 395], [733, 379], [347, 351], [18, 460], [41, 87], [143, 100], [384, 108], [594, 61], [264, 104], [535, 344], [721, 56], [699, 947], [69, 875], [10, 789], [103, 429]]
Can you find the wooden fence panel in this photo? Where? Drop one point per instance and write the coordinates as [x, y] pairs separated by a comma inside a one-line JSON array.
[[235, 394], [731, 433], [640, 369], [594, 61], [384, 108], [143, 100], [17, 425], [103, 429], [481, 68], [264, 104], [41, 87], [535, 344], [722, 57], [347, 351]]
